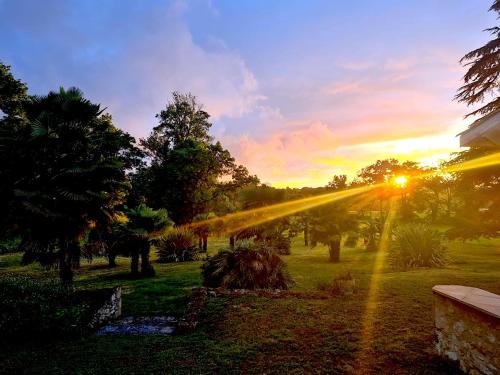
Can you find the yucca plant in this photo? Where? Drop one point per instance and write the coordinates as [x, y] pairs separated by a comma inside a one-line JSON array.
[[178, 245], [417, 245], [248, 266]]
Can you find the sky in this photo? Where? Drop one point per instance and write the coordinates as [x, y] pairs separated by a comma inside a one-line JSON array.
[[298, 90]]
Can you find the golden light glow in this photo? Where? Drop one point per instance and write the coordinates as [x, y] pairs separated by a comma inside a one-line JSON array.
[[400, 181], [372, 302], [233, 223], [482, 162], [236, 222]]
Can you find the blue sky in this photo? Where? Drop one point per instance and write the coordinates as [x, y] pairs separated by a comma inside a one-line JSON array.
[[298, 90]]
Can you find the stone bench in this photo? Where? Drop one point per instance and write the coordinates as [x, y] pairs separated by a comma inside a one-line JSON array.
[[467, 326]]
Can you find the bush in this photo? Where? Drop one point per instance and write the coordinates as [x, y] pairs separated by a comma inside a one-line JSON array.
[[32, 308], [417, 245], [342, 285], [280, 244], [248, 266], [9, 245], [179, 245]]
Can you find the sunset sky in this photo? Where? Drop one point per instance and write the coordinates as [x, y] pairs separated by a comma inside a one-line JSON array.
[[298, 90]]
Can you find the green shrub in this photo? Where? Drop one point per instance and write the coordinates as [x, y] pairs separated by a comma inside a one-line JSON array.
[[280, 244], [344, 284], [248, 266], [179, 245], [416, 245], [31, 308], [9, 245]]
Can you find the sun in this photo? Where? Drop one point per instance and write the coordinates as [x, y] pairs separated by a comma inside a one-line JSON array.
[[400, 181]]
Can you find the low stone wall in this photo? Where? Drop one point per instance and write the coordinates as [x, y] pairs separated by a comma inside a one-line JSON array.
[[467, 324], [110, 309]]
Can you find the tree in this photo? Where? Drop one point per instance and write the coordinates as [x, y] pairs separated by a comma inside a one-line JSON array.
[[328, 224], [186, 166], [144, 225], [338, 182], [482, 79], [13, 93], [383, 170], [13, 132], [69, 173], [477, 195]]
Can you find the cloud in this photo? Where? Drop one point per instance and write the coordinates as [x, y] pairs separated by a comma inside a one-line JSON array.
[[130, 63], [291, 118]]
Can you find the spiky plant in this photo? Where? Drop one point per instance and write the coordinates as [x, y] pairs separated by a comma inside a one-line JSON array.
[[249, 266], [178, 245], [417, 245]]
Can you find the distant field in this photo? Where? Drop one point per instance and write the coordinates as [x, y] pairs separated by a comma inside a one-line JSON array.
[[296, 334]]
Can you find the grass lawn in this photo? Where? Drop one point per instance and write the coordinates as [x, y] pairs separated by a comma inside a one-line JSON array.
[[304, 332]]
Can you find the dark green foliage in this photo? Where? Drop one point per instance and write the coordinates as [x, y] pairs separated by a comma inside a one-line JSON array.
[[178, 245], [9, 245], [248, 266], [371, 230], [344, 284], [134, 237], [68, 174], [280, 244], [31, 307], [417, 245], [13, 93], [328, 224], [186, 165], [482, 79]]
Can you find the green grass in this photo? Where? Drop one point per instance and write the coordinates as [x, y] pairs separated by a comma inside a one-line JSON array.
[[306, 332]]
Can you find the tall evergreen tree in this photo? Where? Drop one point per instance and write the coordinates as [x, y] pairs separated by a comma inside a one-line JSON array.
[[482, 79]]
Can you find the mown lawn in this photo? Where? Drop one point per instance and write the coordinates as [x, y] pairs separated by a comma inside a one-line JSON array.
[[306, 332]]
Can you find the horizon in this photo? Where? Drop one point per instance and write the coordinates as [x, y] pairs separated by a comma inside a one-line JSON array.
[[332, 99]]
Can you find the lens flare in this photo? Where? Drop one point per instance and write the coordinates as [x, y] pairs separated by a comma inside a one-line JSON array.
[[233, 223], [482, 162], [400, 181], [236, 222], [367, 332]]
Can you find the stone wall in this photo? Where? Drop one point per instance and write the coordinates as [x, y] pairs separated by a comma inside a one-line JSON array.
[[467, 327], [110, 309]]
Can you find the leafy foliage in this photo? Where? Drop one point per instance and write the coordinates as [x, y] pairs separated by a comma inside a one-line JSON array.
[[417, 245], [31, 307], [328, 224], [186, 166], [343, 284], [134, 237], [249, 266], [178, 245], [63, 171], [482, 79]]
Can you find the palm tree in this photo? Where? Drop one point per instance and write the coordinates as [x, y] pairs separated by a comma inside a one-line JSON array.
[[328, 224], [143, 227], [72, 177]]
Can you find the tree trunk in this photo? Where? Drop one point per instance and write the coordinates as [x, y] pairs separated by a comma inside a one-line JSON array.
[[65, 271], [146, 267], [231, 242], [75, 254], [205, 243], [111, 260], [306, 234], [334, 249], [134, 262], [200, 243]]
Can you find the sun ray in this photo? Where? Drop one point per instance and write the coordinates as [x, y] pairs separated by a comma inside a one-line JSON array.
[[367, 330]]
